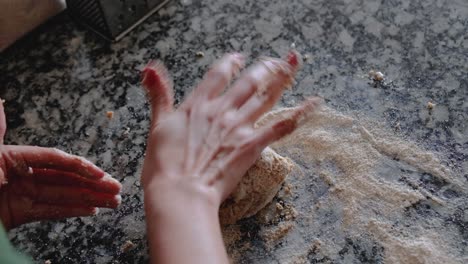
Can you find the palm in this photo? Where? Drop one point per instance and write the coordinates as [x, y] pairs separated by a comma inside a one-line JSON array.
[[44, 183]]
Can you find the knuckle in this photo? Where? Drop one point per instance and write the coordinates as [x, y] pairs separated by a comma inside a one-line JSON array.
[[252, 82], [228, 120], [243, 134]]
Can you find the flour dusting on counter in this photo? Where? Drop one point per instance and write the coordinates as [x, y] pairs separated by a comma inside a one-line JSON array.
[[361, 182]]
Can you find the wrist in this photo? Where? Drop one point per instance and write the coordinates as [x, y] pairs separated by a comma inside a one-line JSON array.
[[182, 223], [179, 197]]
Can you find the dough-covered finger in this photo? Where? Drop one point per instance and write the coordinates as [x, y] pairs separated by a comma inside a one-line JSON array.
[[273, 132], [268, 94], [156, 81], [106, 184], [216, 79], [268, 77], [22, 157]]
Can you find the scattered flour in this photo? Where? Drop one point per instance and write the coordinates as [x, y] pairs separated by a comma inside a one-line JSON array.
[[358, 181]]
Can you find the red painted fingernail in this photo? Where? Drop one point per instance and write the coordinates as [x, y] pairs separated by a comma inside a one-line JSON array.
[[293, 59], [149, 76]]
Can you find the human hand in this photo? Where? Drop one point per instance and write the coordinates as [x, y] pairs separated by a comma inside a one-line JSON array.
[[204, 147], [196, 154], [44, 183]]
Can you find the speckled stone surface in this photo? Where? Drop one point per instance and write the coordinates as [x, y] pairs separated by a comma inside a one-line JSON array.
[[59, 82]]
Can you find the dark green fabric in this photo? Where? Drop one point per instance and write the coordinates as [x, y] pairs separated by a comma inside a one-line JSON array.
[[8, 255]]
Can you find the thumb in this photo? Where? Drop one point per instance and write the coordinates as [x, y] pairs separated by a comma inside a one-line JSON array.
[[2, 121], [156, 81]]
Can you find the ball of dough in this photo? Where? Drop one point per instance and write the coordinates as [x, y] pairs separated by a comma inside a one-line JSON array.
[[257, 188]]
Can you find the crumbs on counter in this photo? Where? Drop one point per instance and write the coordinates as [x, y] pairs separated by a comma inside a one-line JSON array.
[[376, 75], [289, 212], [287, 188], [397, 126], [110, 114], [430, 105], [272, 235], [127, 246], [126, 132], [200, 54], [279, 207]]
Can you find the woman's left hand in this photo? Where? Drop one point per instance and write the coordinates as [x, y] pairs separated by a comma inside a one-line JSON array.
[[45, 183]]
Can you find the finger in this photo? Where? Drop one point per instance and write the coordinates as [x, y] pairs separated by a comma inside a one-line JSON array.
[[279, 129], [236, 164], [202, 113], [43, 211], [21, 157], [264, 99], [156, 81], [105, 184], [231, 168], [2, 122], [72, 196], [216, 79], [263, 83], [269, 75]]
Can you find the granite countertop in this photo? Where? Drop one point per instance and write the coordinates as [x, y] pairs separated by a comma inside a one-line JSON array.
[[60, 80]]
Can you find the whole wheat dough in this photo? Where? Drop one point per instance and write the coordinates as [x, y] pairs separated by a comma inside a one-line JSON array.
[[257, 188]]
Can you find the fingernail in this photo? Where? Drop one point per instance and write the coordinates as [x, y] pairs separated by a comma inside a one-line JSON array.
[[109, 177], [95, 211], [118, 198], [294, 59], [274, 67]]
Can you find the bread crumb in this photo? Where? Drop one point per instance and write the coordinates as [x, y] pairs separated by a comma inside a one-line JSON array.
[[376, 75], [200, 54], [430, 105], [272, 235], [287, 189], [110, 114], [127, 246], [48, 262], [231, 235], [289, 212], [397, 126], [126, 132], [302, 259], [379, 76], [279, 207], [3, 101], [293, 45]]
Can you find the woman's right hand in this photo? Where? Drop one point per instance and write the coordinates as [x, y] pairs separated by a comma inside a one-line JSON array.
[[208, 143], [196, 154]]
